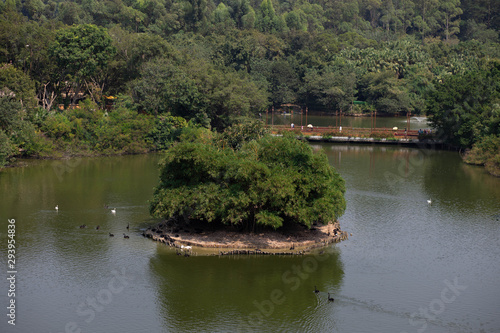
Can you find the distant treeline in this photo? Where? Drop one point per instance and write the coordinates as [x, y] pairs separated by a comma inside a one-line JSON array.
[[213, 63]]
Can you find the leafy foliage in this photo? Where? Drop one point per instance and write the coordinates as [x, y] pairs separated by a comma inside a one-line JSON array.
[[190, 89], [215, 62], [81, 53], [9, 112], [6, 148], [17, 84], [235, 136], [82, 50], [57, 126], [465, 108], [386, 92], [486, 151], [270, 181], [166, 130]]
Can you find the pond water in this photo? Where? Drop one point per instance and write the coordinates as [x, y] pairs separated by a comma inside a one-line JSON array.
[[416, 123], [409, 266]]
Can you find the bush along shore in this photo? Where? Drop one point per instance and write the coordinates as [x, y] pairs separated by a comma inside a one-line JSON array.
[[85, 131], [195, 239]]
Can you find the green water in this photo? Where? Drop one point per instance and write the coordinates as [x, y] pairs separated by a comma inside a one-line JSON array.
[[391, 275], [356, 122]]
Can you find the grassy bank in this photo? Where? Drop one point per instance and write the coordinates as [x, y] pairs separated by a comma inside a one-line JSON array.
[[86, 130], [486, 152]]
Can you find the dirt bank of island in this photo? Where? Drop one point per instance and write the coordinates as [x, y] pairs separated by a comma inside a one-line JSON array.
[[202, 240]]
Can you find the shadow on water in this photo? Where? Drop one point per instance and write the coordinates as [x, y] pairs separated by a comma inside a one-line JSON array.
[[244, 293]]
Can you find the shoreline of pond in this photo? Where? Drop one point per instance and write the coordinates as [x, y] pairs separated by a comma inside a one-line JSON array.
[[428, 144], [72, 152], [194, 239], [415, 143]]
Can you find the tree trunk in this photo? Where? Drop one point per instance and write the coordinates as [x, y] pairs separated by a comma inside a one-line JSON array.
[[76, 92], [47, 100]]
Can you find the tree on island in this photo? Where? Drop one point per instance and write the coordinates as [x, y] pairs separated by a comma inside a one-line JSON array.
[[266, 181]]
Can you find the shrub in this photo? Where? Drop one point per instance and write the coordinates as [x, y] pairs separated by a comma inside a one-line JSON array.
[[328, 135], [483, 150], [493, 165], [9, 111], [37, 116], [124, 131], [57, 126], [6, 149], [486, 152], [165, 131], [29, 142]]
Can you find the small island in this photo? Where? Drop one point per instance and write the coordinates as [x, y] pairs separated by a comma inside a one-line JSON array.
[[246, 190]]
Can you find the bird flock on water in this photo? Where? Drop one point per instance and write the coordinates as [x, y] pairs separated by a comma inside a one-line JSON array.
[[98, 227], [185, 250]]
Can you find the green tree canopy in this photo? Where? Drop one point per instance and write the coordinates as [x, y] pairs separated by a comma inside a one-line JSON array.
[[197, 90], [267, 20], [465, 108], [9, 111], [334, 90], [82, 53], [270, 182], [6, 148], [386, 92], [17, 84]]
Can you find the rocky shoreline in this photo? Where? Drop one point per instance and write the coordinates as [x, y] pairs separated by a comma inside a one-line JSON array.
[[194, 239]]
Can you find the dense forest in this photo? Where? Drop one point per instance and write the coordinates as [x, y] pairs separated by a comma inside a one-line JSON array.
[[168, 64]]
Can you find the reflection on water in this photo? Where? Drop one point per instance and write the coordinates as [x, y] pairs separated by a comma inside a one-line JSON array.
[[402, 254], [251, 293]]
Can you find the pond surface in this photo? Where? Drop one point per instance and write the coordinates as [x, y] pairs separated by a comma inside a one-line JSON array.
[[298, 120], [409, 266]]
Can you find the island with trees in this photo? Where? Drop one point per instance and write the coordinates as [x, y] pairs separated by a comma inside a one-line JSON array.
[[215, 187]]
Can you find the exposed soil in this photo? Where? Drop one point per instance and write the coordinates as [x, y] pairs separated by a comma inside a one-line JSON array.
[[293, 240]]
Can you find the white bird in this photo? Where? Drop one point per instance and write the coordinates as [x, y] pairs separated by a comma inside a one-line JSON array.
[[113, 211], [57, 207], [429, 201]]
